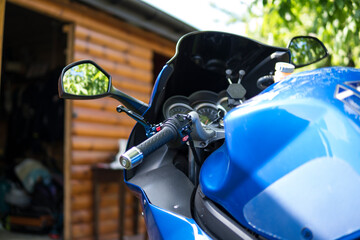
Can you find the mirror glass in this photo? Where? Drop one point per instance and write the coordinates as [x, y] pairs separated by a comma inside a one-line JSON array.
[[306, 50], [85, 80]]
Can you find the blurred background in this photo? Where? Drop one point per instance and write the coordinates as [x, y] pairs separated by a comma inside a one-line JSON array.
[[50, 149], [275, 22]]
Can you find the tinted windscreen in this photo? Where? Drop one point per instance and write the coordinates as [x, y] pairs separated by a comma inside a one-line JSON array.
[[202, 59]]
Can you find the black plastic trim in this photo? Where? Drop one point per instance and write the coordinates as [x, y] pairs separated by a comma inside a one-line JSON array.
[[320, 42], [215, 222]]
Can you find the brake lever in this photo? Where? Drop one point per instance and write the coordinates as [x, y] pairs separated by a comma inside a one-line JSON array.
[[149, 128]]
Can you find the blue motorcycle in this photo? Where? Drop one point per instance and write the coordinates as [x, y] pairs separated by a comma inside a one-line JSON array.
[[233, 145]]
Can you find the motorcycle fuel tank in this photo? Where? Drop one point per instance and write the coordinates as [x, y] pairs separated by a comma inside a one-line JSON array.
[[290, 164]]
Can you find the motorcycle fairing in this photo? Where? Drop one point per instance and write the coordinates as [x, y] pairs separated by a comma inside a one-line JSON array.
[[202, 58], [165, 224], [173, 226], [200, 62], [271, 138], [322, 207], [183, 76]]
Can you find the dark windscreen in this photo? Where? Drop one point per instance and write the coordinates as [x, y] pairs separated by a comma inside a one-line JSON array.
[[203, 57]]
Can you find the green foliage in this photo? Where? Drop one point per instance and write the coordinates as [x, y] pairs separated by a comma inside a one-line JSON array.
[[335, 22], [85, 79]]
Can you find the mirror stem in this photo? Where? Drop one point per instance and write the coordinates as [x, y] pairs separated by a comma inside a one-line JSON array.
[[131, 103]]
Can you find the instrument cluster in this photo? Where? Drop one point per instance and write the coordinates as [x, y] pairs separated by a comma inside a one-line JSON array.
[[210, 106]]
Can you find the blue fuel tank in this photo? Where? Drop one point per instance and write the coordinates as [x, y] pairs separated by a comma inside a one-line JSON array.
[[290, 164]]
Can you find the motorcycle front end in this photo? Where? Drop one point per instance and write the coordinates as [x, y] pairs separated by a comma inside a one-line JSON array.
[[212, 156], [86, 80]]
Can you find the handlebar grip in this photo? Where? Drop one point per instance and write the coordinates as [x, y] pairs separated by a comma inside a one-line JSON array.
[[135, 155]]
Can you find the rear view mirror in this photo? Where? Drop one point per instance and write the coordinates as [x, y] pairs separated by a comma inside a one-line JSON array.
[[306, 50], [84, 79]]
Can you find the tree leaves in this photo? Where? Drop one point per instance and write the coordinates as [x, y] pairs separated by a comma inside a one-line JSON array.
[[85, 79], [335, 22]]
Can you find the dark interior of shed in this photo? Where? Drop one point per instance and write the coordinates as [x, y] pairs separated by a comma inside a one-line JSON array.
[[31, 122]]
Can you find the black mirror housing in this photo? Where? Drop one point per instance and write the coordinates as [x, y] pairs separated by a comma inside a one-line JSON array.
[[306, 50], [84, 80]]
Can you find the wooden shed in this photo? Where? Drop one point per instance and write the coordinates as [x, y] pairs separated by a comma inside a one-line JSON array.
[[129, 39]]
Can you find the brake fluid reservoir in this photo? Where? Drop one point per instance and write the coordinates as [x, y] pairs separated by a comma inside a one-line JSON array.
[[282, 70]]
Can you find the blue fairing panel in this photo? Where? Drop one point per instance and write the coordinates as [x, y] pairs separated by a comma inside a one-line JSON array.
[[163, 224], [269, 139], [323, 209]]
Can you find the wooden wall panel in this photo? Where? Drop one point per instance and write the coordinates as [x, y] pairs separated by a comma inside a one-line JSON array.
[[121, 69], [101, 116], [108, 104], [94, 144], [82, 216], [81, 172], [90, 157], [81, 187], [131, 84], [100, 130], [105, 51], [104, 24], [97, 128], [115, 43]]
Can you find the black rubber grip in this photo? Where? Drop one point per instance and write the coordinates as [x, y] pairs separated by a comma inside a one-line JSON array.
[[165, 135]]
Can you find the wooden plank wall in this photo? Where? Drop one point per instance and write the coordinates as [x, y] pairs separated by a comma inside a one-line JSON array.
[[97, 127]]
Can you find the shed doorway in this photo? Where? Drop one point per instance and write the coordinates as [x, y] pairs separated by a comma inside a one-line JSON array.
[[31, 125]]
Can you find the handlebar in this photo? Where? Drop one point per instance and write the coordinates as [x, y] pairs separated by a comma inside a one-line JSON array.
[[177, 127]]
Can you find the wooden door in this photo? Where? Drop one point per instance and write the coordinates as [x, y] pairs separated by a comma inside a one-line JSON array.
[[69, 30]]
